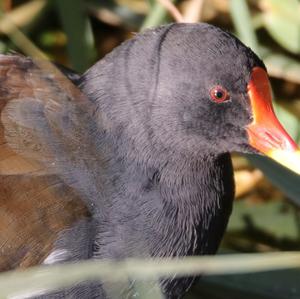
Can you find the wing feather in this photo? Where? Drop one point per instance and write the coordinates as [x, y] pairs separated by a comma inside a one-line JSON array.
[[46, 148]]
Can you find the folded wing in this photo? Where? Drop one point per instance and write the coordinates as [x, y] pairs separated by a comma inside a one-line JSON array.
[[50, 168]]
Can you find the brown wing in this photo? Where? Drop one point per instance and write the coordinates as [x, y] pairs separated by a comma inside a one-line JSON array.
[[37, 201], [48, 122], [34, 212]]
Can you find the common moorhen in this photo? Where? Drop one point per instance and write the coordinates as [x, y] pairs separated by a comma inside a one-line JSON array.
[[135, 161]]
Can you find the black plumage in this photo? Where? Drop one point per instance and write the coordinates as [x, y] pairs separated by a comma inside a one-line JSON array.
[[150, 155]]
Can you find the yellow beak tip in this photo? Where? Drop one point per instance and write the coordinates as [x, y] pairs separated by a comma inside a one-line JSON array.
[[289, 159]]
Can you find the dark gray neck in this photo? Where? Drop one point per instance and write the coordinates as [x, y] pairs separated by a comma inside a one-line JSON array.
[[197, 198], [177, 210]]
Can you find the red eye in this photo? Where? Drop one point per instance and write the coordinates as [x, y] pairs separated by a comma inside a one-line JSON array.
[[219, 94]]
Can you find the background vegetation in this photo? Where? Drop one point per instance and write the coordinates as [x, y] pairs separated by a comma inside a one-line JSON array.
[[266, 215]]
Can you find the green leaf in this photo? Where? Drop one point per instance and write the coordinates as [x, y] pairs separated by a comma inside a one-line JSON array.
[[284, 31], [280, 65], [281, 19], [268, 285], [275, 218]]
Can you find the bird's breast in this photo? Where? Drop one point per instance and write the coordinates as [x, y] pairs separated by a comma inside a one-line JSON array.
[[183, 214]]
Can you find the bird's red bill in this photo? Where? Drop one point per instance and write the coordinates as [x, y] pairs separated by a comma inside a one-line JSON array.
[[266, 134]]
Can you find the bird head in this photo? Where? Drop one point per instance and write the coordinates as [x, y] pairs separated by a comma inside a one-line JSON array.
[[192, 89], [213, 94]]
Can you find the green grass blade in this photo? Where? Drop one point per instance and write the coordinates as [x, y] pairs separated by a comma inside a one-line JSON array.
[[242, 22], [156, 16], [77, 26], [32, 280]]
